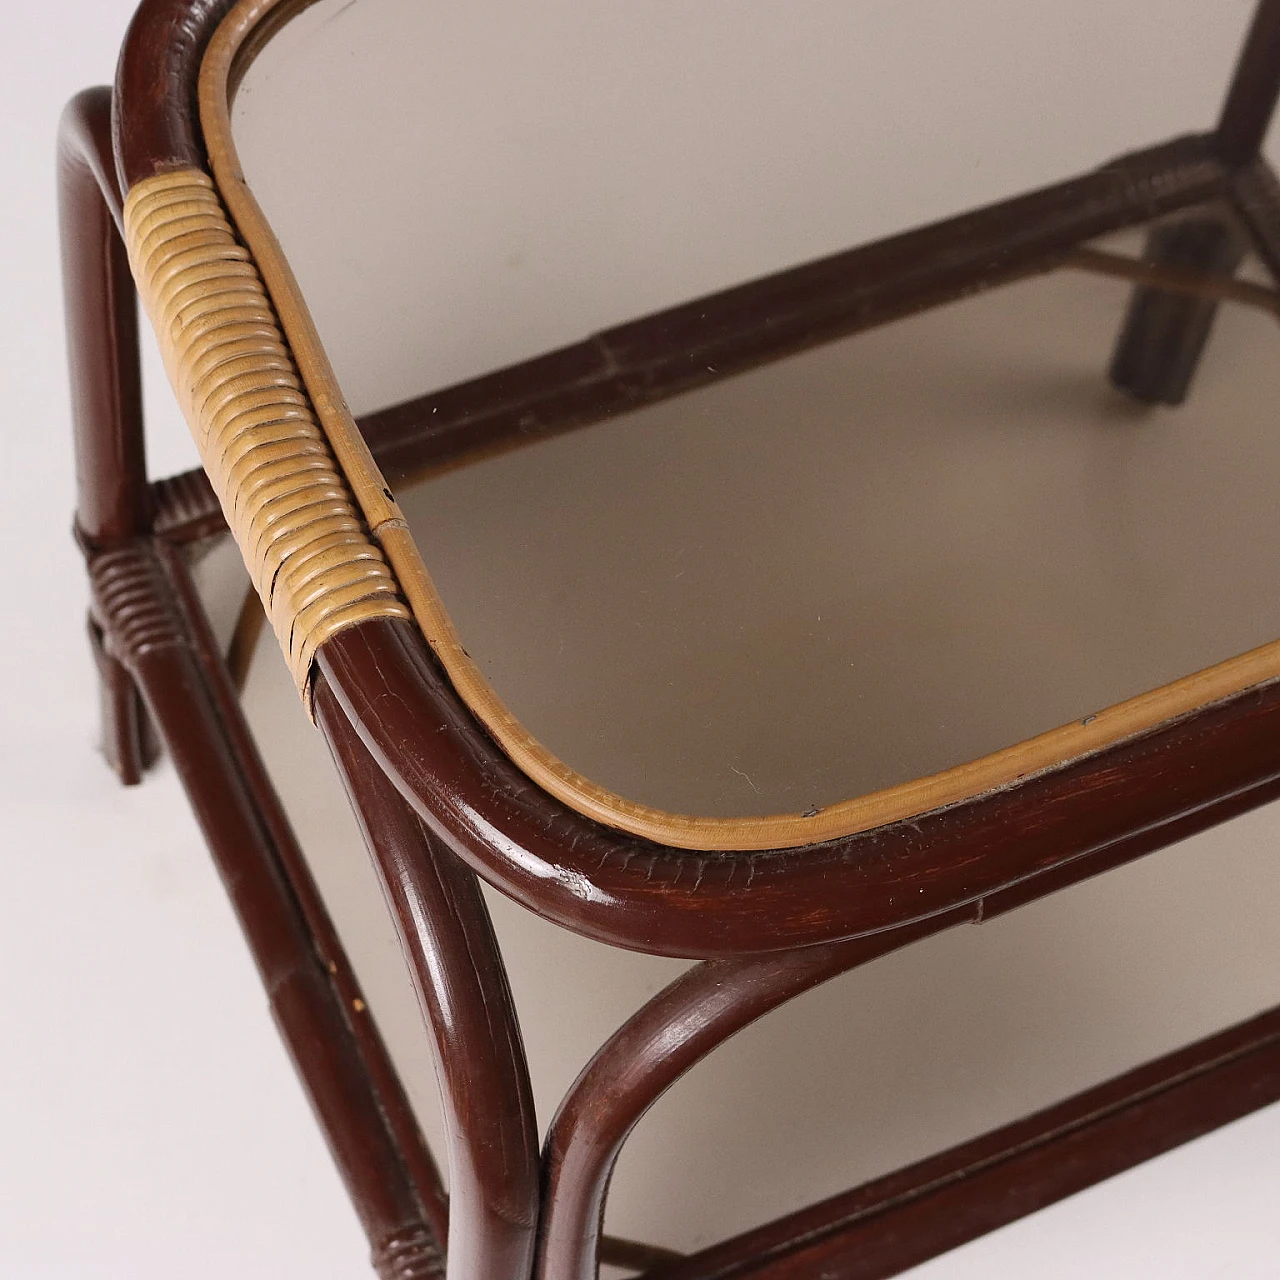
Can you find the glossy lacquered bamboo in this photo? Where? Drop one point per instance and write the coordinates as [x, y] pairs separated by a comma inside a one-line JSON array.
[[147, 626], [102, 330], [413, 1156], [155, 123], [1251, 98], [140, 591], [186, 507], [462, 988], [674, 1031], [671, 901], [896, 1222], [113, 501]]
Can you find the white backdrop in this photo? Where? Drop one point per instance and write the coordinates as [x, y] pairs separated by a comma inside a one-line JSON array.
[[150, 1123]]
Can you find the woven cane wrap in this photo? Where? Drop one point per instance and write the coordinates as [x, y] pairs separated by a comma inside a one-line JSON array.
[[306, 548]]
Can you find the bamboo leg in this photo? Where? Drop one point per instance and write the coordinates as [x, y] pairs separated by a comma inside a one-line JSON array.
[[1164, 334], [466, 1003], [1255, 86], [112, 499], [153, 620]]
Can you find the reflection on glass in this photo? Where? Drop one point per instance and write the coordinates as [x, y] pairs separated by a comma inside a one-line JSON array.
[[872, 561]]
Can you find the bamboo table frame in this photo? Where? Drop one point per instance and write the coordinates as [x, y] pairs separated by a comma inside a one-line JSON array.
[[440, 803]]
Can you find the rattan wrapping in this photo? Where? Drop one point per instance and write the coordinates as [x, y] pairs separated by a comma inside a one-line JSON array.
[[307, 550]]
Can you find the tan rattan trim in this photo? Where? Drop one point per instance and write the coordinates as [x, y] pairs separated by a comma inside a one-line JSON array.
[[312, 563], [239, 34]]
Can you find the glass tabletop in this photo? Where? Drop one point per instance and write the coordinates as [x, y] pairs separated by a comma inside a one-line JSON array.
[[870, 562], [853, 567]]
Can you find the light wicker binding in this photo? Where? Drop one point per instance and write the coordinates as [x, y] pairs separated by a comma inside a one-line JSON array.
[[313, 564]]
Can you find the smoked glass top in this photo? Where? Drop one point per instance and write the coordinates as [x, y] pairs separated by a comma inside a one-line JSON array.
[[853, 567], [873, 561]]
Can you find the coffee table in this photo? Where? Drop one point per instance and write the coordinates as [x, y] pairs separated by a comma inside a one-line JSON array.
[[939, 744]]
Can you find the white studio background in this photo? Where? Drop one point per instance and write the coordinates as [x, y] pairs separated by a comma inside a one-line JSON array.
[[151, 1124]]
